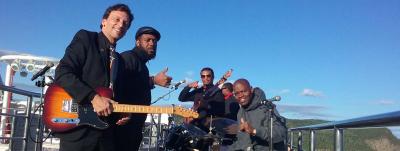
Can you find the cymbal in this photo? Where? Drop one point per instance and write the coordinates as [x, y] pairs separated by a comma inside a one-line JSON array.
[[224, 126]]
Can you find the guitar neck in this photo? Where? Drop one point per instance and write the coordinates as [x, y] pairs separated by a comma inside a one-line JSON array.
[[125, 108]]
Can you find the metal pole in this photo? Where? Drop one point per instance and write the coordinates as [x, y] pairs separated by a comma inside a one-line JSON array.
[[8, 81], [150, 131], [26, 128], [158, 132], [291, 139], [39, 130], [312, 140], [12, 130], [300, 141], [271, 121], [338, 139]]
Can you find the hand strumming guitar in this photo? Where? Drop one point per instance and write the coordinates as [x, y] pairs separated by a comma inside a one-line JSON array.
[[102, 105]]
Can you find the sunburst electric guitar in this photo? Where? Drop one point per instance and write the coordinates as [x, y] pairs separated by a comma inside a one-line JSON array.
[[61, 113]]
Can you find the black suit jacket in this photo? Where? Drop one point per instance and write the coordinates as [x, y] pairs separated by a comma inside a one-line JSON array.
[[84, 67]]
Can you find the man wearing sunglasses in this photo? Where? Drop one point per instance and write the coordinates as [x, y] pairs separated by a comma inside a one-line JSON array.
[[213, 105]]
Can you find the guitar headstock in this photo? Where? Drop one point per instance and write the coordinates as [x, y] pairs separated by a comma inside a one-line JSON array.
[[185, 112]]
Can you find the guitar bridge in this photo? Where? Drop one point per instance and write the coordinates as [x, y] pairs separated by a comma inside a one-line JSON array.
[[69, 106]]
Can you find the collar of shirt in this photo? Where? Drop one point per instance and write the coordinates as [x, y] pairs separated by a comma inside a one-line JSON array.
[[104, 43], [227, 96]]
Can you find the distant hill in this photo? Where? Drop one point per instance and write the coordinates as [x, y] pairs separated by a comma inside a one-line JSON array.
[[372, 139]]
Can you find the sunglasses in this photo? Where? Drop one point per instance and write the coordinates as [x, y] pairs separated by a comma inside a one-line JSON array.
[[208, 75]]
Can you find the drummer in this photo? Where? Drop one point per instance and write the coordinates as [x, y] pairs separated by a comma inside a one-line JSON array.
[[213, 105]]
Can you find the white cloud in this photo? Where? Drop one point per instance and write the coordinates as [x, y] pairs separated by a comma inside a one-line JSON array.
[[311, 93], [284, 91], [277, 91], [304, 111], [385, 102], [189, 73]]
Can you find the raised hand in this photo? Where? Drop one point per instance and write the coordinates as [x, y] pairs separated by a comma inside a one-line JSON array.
[[228, 74], [194, 84], [225, 77], [162, 79]]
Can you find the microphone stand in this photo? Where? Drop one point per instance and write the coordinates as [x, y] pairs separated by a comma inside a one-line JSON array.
[[153, 121], [39, 130], [163, 96], [271, 144], [270, 107]]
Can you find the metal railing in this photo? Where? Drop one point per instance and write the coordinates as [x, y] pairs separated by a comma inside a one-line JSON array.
[[373, 121], [26, 115]]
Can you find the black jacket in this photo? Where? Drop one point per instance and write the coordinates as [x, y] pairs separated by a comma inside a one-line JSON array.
[[84, 67], [133, 87], [231, 108], [210, 105], [134, 84], [231, 105]]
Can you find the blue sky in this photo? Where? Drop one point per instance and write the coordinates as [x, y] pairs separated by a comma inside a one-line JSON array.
[[327, 59]]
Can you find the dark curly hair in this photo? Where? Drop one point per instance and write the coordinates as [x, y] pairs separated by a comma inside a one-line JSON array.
[[118, 7]]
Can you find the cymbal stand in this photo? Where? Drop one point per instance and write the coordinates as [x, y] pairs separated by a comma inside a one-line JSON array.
[[39, 130]]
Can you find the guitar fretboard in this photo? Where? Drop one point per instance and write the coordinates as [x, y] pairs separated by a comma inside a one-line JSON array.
[[123, 108]]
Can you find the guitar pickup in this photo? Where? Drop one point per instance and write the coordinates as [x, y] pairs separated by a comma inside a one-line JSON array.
[[69, 106]]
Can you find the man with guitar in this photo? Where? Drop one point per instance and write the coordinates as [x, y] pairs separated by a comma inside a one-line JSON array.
[[208, 99], [135, 84], [90, 62]]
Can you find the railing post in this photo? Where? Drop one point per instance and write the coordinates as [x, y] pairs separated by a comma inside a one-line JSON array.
[[291, 139], [26, 128], [300, 141], [151, 131], [12, 129], [312, 140], [338, 139]]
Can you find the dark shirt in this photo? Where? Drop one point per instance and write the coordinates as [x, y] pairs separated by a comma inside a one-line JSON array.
[[134, 83], [231, 108], [210, 105]]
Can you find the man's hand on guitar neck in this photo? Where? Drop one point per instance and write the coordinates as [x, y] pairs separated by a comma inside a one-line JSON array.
[[102, 105]]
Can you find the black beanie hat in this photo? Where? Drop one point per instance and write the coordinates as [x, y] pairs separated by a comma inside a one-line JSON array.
[[148, 30]]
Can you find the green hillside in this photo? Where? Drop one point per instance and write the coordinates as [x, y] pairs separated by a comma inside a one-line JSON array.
[[372, 139]]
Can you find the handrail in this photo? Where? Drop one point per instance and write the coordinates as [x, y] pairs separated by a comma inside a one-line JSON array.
[[19, 91], [379, 120], [27, 115]]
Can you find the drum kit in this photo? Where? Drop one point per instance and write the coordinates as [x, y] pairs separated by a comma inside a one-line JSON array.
[[188, 137]]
